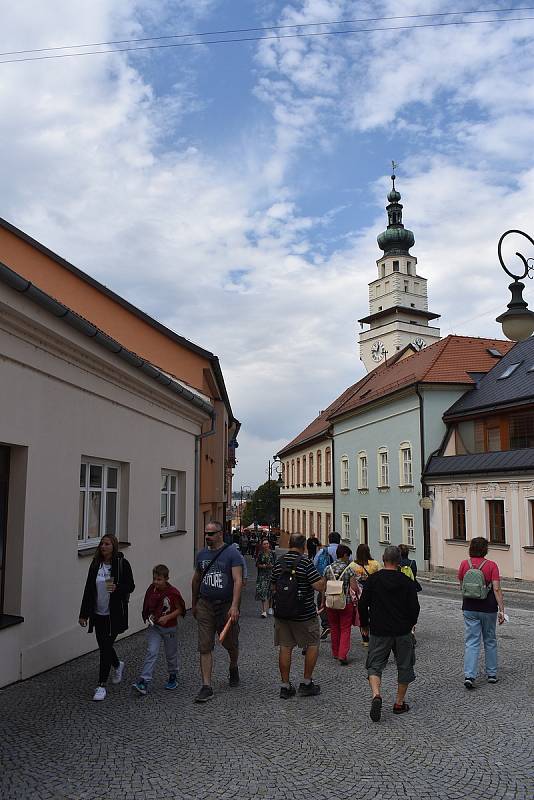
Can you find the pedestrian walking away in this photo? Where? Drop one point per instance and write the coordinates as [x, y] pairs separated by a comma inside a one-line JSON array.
[[312, 544], [325, 556], [162, 606], [408, 566], [264, 564], [216, 596], [296, 623], [389, 609], [339, 580], [105, 607], [363, 566], [482, 606]]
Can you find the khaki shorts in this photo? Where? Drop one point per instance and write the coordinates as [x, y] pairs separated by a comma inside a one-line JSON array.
[[293, 633], [211, 619]]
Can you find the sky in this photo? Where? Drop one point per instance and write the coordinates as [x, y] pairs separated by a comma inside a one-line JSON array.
[[235, 191]]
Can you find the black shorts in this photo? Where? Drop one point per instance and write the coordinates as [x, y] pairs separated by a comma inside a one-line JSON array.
[[403, 649]]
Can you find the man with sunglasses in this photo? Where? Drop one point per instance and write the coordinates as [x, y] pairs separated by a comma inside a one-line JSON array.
[[216, 595]]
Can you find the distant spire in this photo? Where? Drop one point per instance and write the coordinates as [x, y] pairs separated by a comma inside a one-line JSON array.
[[396, 239]]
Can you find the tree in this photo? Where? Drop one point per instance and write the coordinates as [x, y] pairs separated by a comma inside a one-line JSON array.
[[266, 504], [247, 514]]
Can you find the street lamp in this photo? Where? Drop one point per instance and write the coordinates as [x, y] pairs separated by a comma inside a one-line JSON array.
[[276, 464], [518, 322], [249, 489]]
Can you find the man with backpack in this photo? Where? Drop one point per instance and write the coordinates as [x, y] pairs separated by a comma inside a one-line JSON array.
[[482, 606], [324, 557], [294, 581]]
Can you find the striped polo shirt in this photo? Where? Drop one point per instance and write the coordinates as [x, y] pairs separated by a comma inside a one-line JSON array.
[[306, 576]]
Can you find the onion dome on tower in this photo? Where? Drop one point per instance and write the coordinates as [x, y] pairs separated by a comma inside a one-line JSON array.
[[396, 239]]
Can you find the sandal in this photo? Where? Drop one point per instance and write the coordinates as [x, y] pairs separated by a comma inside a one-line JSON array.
[[376, 709], [401, 709]]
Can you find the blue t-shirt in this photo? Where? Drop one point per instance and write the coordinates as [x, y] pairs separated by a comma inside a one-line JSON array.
[[218, 583]]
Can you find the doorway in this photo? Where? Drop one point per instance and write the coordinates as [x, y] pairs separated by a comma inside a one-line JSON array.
[[4, 492], [364, 531]]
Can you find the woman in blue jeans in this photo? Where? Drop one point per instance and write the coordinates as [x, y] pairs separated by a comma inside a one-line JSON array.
[[480, 616]]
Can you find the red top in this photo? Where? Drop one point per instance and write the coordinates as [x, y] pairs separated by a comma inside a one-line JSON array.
[[490, 570], [156, 604]]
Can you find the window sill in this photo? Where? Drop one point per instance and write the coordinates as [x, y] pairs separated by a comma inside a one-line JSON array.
[[383, 488], [362, 490], [84, 552], [462, 542], [168, 534], [319, 483], [405, 485], [497, 546], [344, 491], [529, 549], [8, 620], [328, 483], [384, 544]]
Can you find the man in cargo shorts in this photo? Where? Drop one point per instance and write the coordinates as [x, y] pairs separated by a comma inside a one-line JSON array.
[[298, 625], [216, 591]]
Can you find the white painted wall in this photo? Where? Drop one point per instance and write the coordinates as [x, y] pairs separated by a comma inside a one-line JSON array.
[[64, 397]]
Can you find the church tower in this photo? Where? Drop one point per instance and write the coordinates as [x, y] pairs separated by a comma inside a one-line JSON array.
[[398, 301]]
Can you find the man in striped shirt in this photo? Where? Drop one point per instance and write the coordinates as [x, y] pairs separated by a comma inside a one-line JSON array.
[[297, 626]]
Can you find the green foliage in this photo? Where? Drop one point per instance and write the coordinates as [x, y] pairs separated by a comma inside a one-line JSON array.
[[247, 514]]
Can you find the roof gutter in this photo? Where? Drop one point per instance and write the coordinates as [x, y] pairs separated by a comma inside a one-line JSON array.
[[40, 298]]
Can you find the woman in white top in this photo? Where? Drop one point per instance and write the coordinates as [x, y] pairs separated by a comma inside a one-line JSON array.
[[105, 606]]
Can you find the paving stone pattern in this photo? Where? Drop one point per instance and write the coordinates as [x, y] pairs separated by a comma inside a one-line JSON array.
[[56, 744]]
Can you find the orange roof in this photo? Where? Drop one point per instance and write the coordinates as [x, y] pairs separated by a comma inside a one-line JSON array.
[[448, 361], [317, 429]]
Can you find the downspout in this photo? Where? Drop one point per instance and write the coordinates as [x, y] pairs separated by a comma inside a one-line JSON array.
[[424, 489], [333, 476], [198, 438]]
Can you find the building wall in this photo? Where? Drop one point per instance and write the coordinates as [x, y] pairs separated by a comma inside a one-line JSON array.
[[290, 508], [140, 337], [63, 398], [313, 496], [516, 557], [388, 425]]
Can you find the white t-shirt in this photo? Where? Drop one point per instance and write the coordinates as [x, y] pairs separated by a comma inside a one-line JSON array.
[[102, 594]]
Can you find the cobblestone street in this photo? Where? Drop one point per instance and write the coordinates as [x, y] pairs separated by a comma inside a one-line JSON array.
[[56, 743]]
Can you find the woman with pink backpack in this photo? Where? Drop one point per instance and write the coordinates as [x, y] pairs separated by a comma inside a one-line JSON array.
[[341, 585]]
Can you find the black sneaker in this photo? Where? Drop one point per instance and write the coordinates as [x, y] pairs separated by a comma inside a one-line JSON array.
[[309, 689], [205, 694], [325, 633], [344, 662], [234, 676], [287, 691], [469, 683]]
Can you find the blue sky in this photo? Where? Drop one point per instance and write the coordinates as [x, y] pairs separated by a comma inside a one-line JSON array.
[[235, 192]]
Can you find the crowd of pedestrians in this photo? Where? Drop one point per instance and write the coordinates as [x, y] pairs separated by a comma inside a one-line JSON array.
[[312, 591]]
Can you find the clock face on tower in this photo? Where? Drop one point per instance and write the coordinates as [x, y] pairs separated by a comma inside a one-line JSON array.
[[378, 351], [418, 343]]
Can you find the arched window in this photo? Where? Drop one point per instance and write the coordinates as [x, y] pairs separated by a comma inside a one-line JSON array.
[[383, 467], [304, 470], [363, 470], [288, 475], [292, 473], [304, 523], [345, 473], [310, 470], [283, 474], [319, 467], [298, 471], [405, 464], [328, 466]]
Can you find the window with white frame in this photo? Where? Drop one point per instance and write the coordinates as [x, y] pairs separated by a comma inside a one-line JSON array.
[[405, 464], [408, 531], [383, 467], [345, 474], [345, 526], [363, 473], [169, 512], [304, 470], [385, 528], [98, 511]]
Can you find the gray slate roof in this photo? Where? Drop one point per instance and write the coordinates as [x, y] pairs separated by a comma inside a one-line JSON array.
[[490, 392], [504, 461]]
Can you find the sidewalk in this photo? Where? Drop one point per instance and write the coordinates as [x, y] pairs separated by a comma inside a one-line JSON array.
[[448, 577]]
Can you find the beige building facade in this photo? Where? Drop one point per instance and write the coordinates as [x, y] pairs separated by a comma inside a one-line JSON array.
[[91, 442]]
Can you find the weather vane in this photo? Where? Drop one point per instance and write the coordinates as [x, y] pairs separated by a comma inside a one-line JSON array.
[[394, 166]]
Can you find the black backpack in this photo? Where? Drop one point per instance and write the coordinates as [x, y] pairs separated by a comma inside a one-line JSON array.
[[287, 600]]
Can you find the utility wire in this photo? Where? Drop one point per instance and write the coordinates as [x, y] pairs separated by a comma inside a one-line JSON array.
[[268, 38], [268, 28]]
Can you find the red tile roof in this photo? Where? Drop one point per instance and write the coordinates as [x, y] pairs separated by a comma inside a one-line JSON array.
[[447, 361]]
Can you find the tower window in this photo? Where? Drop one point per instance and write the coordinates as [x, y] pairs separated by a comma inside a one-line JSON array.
[[409, 267], [406, 286], [396, 267], [382, 270], [380, 308], [412, 305]]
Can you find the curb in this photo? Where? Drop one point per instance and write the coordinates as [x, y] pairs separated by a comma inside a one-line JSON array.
[[455, 583]]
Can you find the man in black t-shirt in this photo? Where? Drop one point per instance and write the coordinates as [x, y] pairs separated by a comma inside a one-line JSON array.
[[301, 628]]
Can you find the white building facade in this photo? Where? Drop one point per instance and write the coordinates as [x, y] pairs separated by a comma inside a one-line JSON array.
[[90, 443]]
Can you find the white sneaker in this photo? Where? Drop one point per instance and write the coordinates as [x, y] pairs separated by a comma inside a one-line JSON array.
[[270, 612], [264, 614], [116, 675], [100, 693]]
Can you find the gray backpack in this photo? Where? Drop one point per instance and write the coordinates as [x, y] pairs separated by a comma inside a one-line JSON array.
[[474, 584]]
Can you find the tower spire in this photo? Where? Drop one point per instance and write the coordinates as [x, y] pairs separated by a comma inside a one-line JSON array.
[[396, 239]]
